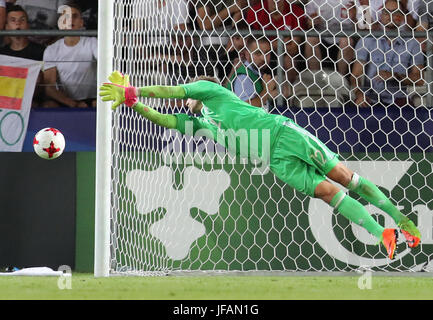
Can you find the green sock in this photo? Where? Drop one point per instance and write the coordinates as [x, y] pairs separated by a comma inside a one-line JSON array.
[[370, 192], [357, 213]]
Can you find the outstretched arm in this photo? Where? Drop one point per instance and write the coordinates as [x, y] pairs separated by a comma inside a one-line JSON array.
[[165, 120], [119, 91], [128, 94], [175, 92]]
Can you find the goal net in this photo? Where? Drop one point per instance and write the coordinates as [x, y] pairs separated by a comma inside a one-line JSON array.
[[356, 75]]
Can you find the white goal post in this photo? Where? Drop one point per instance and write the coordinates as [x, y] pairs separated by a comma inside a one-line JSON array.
[[169, 203], [103, 143]]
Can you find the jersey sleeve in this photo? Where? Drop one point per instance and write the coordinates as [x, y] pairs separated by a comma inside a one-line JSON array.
[[200, 90], [189, 125]]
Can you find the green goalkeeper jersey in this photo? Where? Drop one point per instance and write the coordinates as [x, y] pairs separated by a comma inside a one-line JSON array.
[[243, 129], [294, 155]]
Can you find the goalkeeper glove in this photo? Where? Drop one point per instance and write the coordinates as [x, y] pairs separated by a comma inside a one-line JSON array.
[[118, 78], [118, 94]]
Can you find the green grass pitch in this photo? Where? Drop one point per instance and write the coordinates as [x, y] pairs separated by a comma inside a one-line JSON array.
[[86, 287]]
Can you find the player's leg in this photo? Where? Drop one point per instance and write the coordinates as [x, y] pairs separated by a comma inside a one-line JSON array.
[[306, 179], [348, 207], [370, 192], [302, 161], [357, 213]]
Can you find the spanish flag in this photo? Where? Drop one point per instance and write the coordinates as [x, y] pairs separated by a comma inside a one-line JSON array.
[[12, 86], [18, 78]]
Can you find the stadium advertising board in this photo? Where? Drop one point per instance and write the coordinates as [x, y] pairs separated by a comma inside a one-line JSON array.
[[222, 217]]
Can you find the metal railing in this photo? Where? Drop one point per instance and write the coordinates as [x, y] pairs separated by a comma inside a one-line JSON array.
[[45, 33]]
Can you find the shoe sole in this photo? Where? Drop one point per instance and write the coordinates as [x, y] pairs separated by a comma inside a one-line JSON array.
[[411, 243], [395, 245]]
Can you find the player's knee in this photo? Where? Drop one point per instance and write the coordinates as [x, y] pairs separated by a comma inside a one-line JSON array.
[[341, 174], [326, 191]]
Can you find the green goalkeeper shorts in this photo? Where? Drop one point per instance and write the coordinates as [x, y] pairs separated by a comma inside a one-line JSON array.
[[300, 159]]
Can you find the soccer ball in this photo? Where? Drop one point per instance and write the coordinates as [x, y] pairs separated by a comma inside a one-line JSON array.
[[49, 143]]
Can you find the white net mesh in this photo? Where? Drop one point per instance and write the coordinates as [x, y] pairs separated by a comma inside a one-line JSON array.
[[356, 75]]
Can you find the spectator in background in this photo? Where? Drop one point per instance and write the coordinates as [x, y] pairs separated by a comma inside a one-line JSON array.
[[211, 15], [163, 15], [163, 53], [250, 79], [2, 14], [234, 51], [333, 16], [416, 13], [412, 9], [280, 15], [2, 18], [42, 14], [90, 13], [70, 65], [181, 65], [422, 14], [388, 65], [22, 47], [366, 14], [420, 10]]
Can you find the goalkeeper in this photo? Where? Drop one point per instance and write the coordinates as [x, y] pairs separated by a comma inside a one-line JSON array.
[[295, 156]]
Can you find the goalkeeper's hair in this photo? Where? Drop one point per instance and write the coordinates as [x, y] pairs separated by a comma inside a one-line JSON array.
[[206, 78]]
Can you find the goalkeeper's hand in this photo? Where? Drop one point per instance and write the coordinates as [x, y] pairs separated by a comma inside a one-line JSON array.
[[118, 94], [118, 78]]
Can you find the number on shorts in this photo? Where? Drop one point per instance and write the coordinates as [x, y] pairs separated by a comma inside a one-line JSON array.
[[318, 157]]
